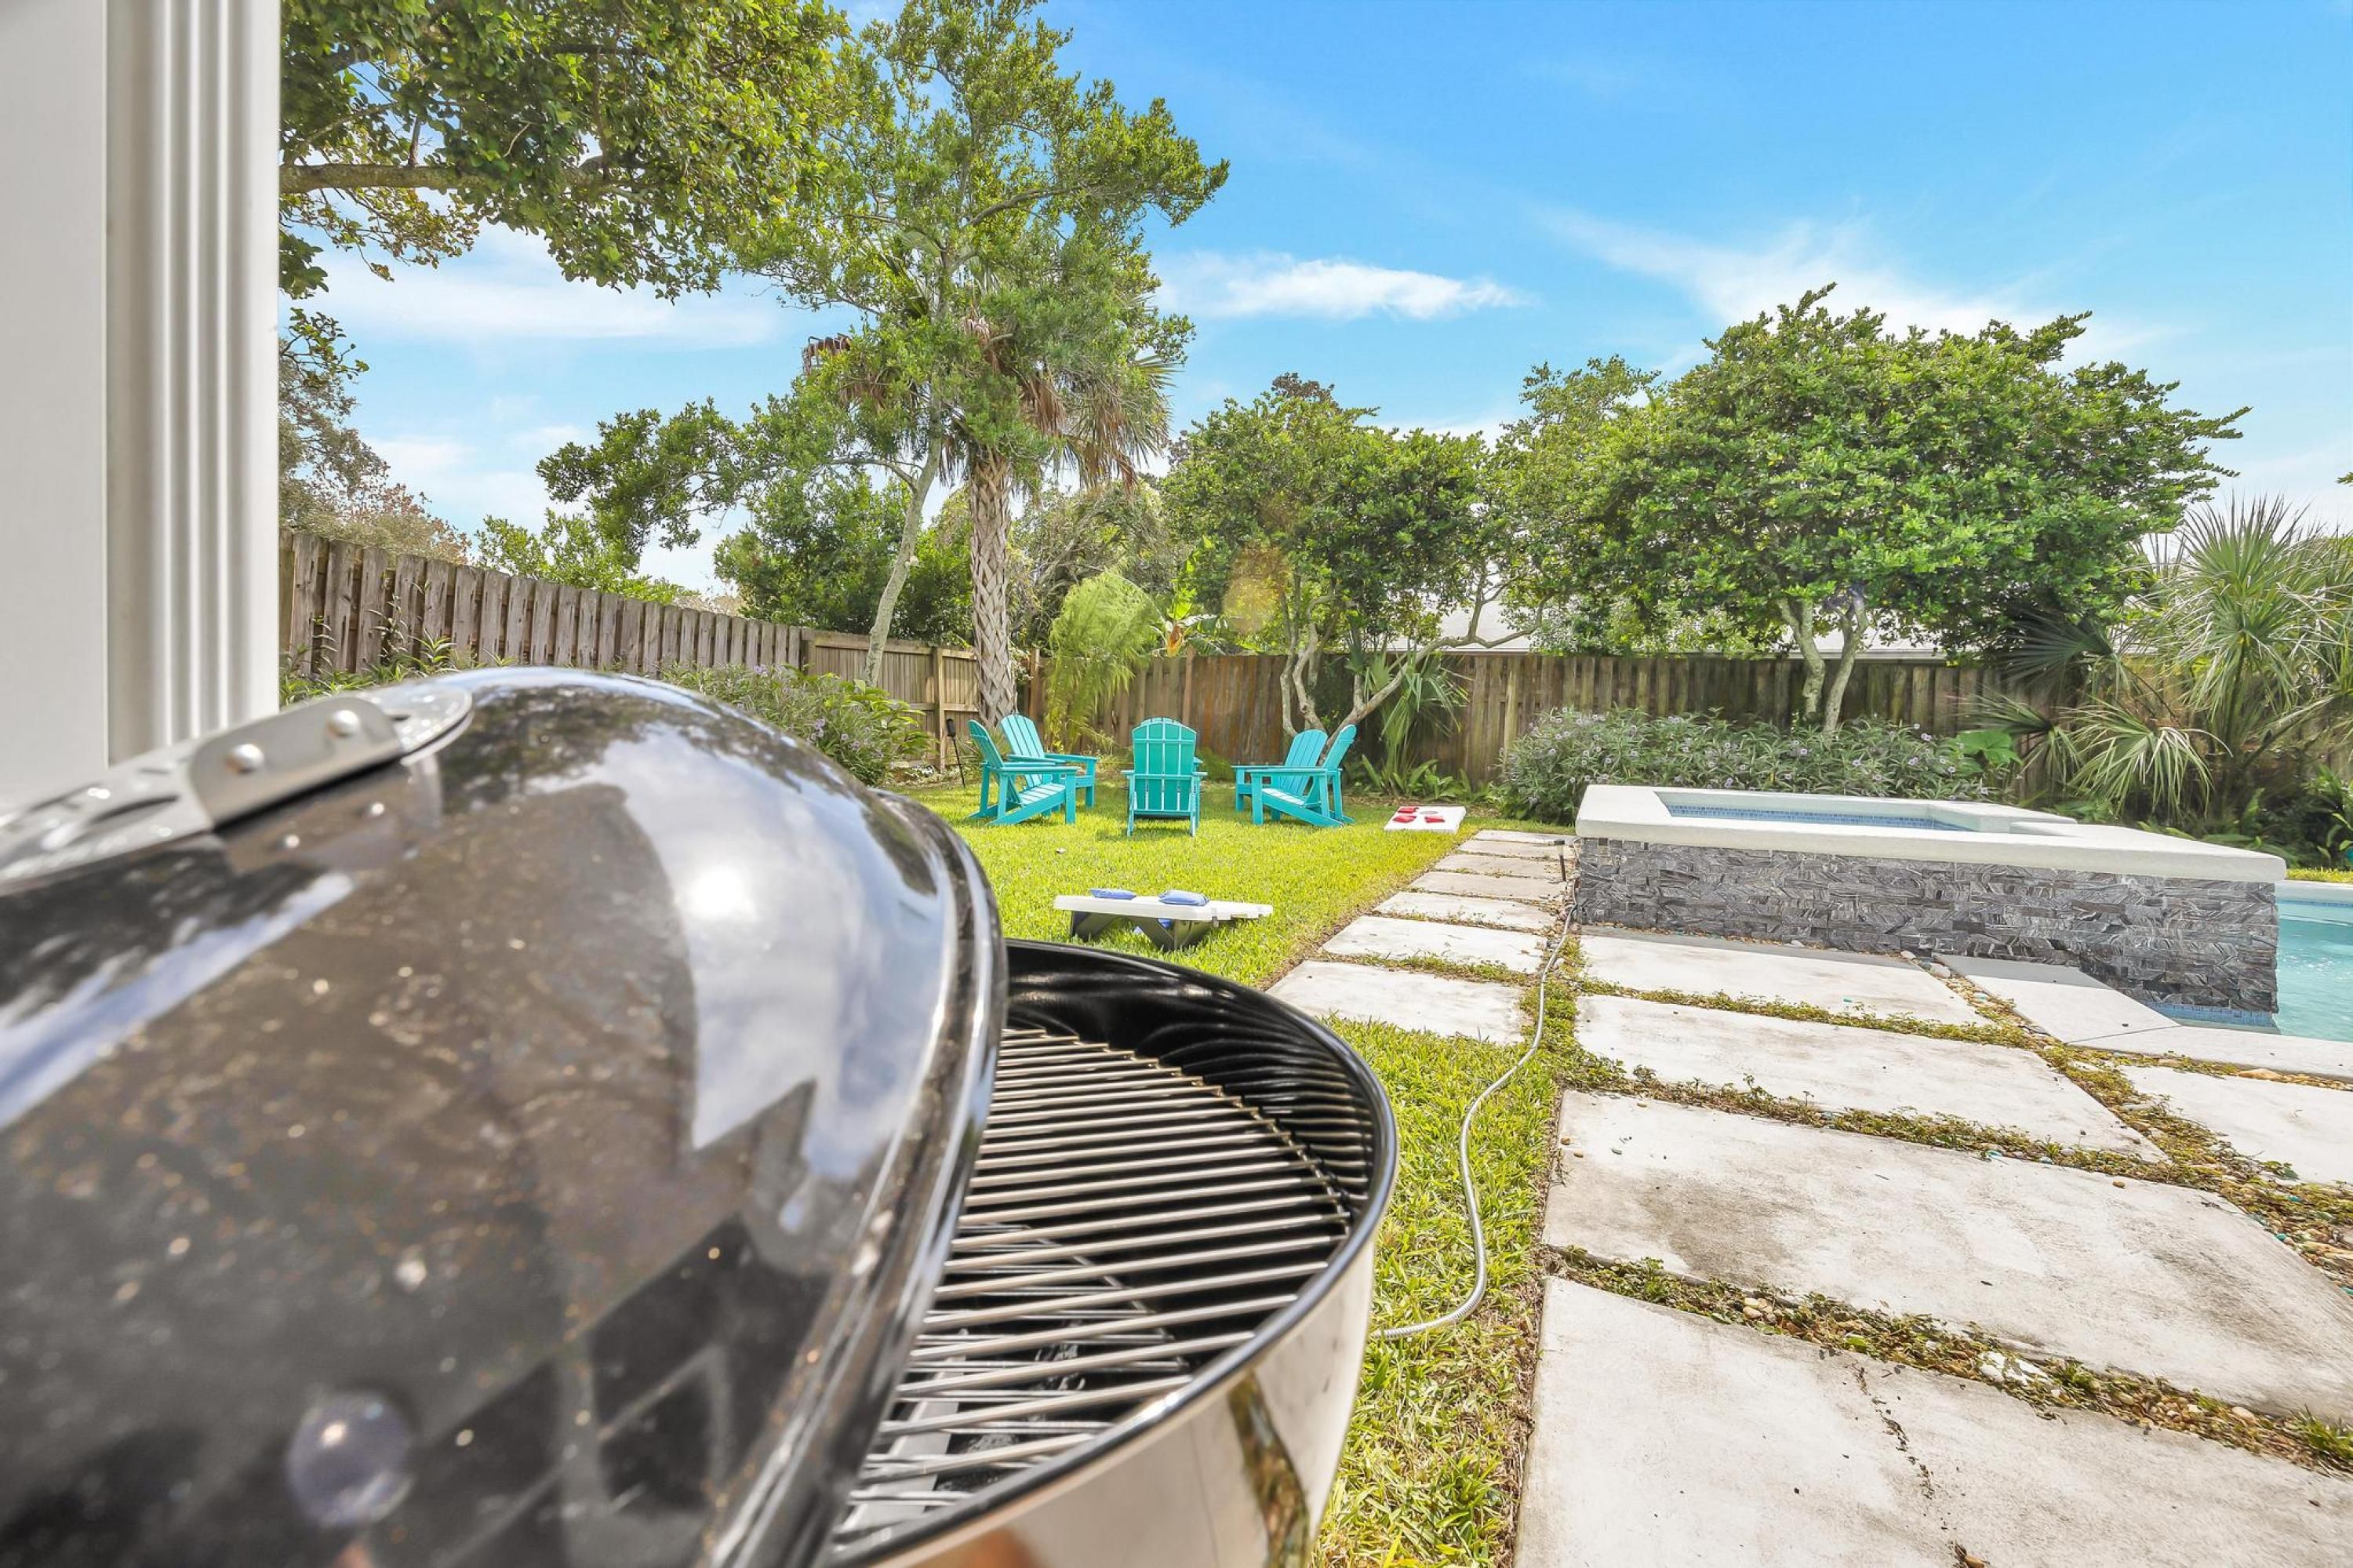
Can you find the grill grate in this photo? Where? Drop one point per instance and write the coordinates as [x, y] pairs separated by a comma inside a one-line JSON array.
[[1126, 1222]]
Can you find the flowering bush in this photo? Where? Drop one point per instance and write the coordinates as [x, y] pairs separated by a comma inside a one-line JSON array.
[[862, 727], [1546, 772]]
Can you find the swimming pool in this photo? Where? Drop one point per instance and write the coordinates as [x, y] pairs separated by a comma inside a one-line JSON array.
[[2316, 968]]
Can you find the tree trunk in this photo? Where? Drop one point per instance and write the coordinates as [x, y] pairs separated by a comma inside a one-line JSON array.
[[1849, 650], [911, 535], [991, 494], [1799, 616], [1298, 702], [1362, 707]]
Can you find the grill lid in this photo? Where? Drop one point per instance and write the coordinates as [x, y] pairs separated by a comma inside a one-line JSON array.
[[528, 1143]]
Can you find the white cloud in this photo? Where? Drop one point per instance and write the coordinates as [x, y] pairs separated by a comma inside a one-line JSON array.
[[506, 289], [1208, 284], [1734, 283], [541, 440], [460, 483]]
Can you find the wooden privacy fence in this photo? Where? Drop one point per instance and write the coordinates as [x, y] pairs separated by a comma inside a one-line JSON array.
[[345, 608], [1235, 701]]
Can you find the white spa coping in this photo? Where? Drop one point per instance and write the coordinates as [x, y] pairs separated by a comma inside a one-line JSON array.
[[1996, 835], [2336, 896]]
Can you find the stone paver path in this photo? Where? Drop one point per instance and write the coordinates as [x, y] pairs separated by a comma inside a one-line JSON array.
[[1436, 1005], [2158, 1279], [2069, 1004], [1526, 889], [1511, 849], [2293, 1124], [1705, 966], [1842, 1067], [1474, 861], [1385, 936], [1664, 1438], [1464, 910]]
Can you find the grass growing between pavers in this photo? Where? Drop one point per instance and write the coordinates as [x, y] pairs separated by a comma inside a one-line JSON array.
[[2317, 1223], [2313, 1219], [2048, 1381], [1316, 878], [1429, 1474]]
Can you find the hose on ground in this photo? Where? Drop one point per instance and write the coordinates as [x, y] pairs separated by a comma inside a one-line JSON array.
[[1470, 1303]]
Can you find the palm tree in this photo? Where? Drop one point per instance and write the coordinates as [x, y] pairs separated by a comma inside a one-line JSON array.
[[2231, 677], [1095, 405]]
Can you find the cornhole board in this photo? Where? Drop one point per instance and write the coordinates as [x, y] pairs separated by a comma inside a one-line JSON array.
[[1448, 820], [1170, 925]]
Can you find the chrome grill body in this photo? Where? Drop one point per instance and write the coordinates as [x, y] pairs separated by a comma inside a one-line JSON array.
[[1167, 1190]]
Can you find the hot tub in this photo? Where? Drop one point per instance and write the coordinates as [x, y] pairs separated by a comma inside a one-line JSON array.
[[2172, 921]]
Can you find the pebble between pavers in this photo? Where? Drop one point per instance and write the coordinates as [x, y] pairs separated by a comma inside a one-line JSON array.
[[1526, 889], [1464, 910], [1383, 936], [1504, 849], [1852, 982], [2294, 1124], [1843, 1065], [1436, 1005], [2166, 1281], [1491, 865], [1660, 1437]]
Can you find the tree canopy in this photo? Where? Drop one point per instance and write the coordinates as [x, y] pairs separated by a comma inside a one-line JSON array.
[[979, 212], [1818, 472], [641, 142], [1333, 532]]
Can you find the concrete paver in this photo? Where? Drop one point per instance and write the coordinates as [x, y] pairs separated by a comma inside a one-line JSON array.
[[1515, 836], [1853, 982], [2239, 1048], [1384, 936], [1483, 865], [1435, 1004], [1844, 1066], [1465, 910], [1664, 1438], [2294, 1124], [1505, 849], [2065, 1002], [2163, 1280], [2058, 999], [1526, 889]]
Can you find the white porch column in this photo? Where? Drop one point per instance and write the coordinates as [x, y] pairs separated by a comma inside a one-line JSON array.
[[138, 378]]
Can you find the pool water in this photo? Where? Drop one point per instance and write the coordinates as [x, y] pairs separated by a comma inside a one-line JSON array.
[[1842, 818], [2316, 970]]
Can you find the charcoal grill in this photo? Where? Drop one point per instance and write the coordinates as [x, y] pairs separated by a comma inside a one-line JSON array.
[[1168, 1214], [525, 1118]]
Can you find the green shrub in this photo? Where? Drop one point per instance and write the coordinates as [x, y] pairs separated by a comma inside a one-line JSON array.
[[1546, 772], [862, 727]]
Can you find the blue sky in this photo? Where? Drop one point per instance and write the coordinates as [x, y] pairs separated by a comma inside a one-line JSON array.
[[1426, 200]]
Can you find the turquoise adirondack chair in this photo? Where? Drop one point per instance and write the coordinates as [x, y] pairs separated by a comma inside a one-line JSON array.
[[1021, 790], [1310, 795], [1164, 782], [1023, 744], [1307, 749]]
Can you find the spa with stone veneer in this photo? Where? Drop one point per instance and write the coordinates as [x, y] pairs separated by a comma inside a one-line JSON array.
[[2173, 921]]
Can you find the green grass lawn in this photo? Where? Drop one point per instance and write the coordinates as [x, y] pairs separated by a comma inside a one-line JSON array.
[[1430, 1471], [1317, 878]]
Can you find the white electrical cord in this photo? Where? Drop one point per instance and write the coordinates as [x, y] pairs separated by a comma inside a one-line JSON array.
[[1470, 1303]]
